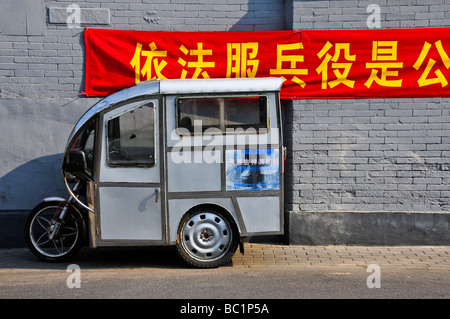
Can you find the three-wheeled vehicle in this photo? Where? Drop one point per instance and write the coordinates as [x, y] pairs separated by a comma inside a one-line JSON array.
[[193, 163]]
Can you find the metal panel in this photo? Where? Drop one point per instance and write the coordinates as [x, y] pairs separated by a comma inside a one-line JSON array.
[[192, 175], [260, 214], [130, 213]]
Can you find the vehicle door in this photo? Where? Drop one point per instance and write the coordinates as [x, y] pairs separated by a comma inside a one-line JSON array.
[[129, 174]]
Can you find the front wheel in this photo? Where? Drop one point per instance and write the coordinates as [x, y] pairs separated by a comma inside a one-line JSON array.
[[51, 241], [206, 238]]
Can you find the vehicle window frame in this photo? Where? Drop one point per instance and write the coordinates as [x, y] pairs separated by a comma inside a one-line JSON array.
[[153, 123], [224, 128]]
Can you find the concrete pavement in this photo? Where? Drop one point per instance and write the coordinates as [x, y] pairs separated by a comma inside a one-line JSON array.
[[270, 255], [266, 271]]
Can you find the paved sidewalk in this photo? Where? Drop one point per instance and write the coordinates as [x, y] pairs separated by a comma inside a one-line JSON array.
[[423, 257]]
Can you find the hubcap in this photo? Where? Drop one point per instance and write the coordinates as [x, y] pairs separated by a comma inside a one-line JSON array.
[[206, 236]]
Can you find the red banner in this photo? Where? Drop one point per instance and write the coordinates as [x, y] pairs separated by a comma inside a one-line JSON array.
[[382, 63]]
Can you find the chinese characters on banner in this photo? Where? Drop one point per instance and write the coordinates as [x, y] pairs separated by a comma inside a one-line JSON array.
[[313, 64]]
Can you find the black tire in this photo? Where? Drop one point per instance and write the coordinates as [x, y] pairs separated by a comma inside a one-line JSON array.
[[206, 238], [66, 243]]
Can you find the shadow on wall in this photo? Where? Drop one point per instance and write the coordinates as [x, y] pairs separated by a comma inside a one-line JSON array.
[[83, 74], [260, 16], [25, 186]]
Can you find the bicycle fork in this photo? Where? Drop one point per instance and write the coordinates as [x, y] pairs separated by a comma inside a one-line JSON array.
[[59, 216]]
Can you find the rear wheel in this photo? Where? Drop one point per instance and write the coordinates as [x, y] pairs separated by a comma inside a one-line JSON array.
[[206, 238], [51, 241]]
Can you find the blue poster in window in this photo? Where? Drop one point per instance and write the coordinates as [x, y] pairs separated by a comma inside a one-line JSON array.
[[252, 169]]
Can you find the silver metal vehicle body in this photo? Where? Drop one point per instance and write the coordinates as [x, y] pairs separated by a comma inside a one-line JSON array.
[[193, 163]]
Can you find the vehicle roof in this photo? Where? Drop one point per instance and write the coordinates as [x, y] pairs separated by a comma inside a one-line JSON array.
[[185, 86], [192, 86]]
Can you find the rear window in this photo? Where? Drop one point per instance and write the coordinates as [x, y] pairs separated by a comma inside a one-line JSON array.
[[221, 114]]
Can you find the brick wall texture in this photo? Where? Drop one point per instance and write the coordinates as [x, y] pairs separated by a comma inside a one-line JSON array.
[[51, 65], [364, 155], [369, 154]]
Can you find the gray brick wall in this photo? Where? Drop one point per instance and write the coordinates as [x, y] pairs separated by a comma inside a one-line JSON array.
[[375, 155], [352, 14], [51, 65], [369, 155], [364, 155], [42, 73]]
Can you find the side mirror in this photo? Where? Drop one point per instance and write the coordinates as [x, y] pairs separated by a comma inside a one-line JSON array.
[[76, 163]]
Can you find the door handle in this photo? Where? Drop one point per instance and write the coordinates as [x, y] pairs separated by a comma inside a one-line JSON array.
[[157, 194]]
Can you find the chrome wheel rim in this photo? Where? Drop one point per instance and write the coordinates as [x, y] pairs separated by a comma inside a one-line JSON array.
[[206, 236], [64, 240]]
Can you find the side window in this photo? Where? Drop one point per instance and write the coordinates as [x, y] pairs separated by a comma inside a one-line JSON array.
[[222, 113], [246, 112], [206, 110], [131, 138]]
